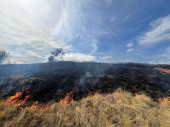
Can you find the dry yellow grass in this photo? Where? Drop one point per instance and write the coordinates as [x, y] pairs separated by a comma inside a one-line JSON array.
[[120, 109]]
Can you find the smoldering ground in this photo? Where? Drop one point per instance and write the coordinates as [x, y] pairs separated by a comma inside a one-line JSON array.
[[51, 81]]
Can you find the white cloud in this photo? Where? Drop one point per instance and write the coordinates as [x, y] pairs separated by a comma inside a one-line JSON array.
[[37, 27], [127, 18], [108, 1], [30, 29], [112, 19], [129, 45], [78, 57], [32, 53], [159, 31], [28, 25], [162, 58], [130, 50], [168, 51], [8, 61], [94, 45], [106, 57]]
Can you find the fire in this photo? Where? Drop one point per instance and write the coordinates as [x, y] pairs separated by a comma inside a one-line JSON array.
[[166, 71], [34, 105], [137, 95], [46, 107], [99, 91], [15, 99], [68, 99], [19, 104], [165, 100]]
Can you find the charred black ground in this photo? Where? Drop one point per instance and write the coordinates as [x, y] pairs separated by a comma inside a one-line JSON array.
[[51, 81]]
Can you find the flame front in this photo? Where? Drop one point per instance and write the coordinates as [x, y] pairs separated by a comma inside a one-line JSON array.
[[68, 99], [34, 105], [94, 93], [137, 95], [165, 100], [19, 104], [15, 99], [46, 107], [166, 71]]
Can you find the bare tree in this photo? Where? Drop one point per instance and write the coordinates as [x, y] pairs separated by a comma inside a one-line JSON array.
[[56, 53], [3, 55]]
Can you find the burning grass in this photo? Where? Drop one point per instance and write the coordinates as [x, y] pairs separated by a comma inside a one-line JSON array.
[[166, 71], [120, 109], [15, 99], [68, 99]]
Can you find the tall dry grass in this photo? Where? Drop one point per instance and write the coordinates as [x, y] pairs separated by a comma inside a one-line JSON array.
[[120, 109]]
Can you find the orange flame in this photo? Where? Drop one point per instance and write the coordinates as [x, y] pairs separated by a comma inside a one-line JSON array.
[[137, 95], [46, 107], [34, 105], [99, 91], [165, 100], [23, 101], [15, 98], [68, 99], [166, 71]]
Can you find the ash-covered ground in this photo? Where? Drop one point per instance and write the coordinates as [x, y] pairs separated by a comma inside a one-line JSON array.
[[51, 81]]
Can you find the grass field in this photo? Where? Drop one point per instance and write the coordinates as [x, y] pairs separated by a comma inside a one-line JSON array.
[[119, 109]]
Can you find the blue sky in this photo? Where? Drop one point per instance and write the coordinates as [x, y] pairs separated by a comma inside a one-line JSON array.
[[88, 30]]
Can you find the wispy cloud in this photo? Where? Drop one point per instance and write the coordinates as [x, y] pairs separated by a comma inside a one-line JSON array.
[[129, 45], [79, 57], [24, 24], [94, 45], [32, 53], [9, 61], [37, 27], [159, 31], [104, 58], [163, 58], [108, 1], [112, 19], [129, 50], [127, 18], [30, 29]]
